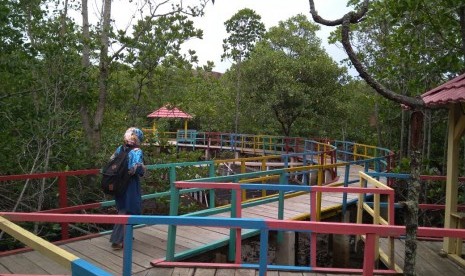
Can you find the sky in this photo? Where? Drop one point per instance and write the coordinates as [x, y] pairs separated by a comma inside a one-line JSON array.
[[210, 48]]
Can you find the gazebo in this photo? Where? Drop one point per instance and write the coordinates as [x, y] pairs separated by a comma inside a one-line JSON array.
[[452, 96], [169, 112]]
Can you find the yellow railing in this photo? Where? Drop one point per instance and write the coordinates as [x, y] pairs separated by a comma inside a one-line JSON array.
[[46, 248], [379, 215]]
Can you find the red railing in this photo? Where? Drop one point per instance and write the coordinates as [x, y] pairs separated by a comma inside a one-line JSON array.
[[62, 190]]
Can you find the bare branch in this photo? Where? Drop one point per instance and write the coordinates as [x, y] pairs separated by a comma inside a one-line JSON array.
[[387, 93], [354, 17], [19, 93], [345, 21], [153, 14]]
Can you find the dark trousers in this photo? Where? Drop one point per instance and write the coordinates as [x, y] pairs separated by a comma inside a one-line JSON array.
[[117, 235]]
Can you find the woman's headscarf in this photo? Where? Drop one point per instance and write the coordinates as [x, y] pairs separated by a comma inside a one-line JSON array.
[[133, 136]]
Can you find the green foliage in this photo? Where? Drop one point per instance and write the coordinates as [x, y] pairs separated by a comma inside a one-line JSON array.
[[353, 109], [289, 76], [245, 29], [288, 85], [411, 45], [158, 180], [403, 166]]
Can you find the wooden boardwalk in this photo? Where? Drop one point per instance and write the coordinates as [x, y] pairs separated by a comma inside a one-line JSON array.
[[221, 272], [150, 244], [428, 262]]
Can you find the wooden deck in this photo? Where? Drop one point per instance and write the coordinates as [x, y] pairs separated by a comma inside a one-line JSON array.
[[150, 244], [428, 262], [221, 272]]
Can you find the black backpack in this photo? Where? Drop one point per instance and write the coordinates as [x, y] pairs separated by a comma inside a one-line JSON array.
[[115, 174]]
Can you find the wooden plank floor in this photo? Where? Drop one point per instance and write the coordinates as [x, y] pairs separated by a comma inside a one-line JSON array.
[[428, 261], [221, 272], [150, 244]]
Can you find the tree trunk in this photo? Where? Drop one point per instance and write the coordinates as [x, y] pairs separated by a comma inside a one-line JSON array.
[[411, 218], [444, 156], [409, 139], [85, 63], [92, 127], [238, 90], [103, 76], [402, 135], [461, 13], [425, 136], [378, 125], [428, 149]]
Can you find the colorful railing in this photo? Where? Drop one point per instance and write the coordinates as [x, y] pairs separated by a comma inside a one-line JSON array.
[[310, 152], [382, 213], [264, 226], [62, 190], [297, 150], [76, 265]]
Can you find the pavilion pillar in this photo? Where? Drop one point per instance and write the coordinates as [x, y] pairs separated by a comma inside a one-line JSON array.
[[455, 132], [154, 127], [185, 128]]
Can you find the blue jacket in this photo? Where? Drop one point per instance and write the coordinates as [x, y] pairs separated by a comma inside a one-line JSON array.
[[131, 201]]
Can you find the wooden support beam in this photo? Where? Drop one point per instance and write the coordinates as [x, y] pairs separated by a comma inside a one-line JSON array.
[[451, 177], [459, 127]]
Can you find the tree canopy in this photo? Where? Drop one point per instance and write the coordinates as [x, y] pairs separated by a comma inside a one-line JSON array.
[[289, 75]]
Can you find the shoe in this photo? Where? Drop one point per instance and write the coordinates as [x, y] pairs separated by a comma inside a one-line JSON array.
[[117, 246]]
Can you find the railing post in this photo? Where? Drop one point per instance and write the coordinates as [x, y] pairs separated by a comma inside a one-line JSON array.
[[263, 258], [368, 255], [354, 152], [334, 161], [305, 177], [232, 231], [282, 181], [127, 250], [376, 221], [243, 170], [263, 168], [346, 184], [285, 161], [63, 203], [361, 198], [238, 247], [318, 194], [366, 169], [313, 236], [174, 203], [391, 221], [212, 191]]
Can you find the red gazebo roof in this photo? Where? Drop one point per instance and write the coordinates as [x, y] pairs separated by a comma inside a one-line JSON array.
[[166, 112], [452, 91]]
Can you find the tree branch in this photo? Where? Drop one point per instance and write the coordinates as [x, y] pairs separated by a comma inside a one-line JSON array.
[[153, 14], [19, 93], [345, 21], [354, 17]]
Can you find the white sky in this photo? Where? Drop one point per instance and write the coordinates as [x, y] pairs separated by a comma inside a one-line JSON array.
[[271, 11], [210, 48]]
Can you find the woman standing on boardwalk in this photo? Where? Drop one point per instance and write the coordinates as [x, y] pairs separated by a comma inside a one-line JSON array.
[[129, 202]]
